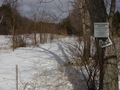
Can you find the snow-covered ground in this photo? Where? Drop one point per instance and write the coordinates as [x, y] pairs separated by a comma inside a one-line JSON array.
[[40, 68]]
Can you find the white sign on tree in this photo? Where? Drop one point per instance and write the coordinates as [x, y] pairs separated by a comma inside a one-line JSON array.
[[101, 30]]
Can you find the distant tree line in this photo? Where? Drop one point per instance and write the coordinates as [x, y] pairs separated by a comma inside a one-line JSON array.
[[72, 24], [22, 25]]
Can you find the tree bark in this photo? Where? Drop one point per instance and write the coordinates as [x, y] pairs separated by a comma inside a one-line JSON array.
[[86, 24], [111, 69]]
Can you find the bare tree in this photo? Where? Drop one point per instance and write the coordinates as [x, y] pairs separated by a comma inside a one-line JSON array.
[[92, 11], [14, 7], [110, 80]]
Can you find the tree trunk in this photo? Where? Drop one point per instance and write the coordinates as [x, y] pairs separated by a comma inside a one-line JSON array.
[[86, 23], [98, 14], [35, 40], [111, 69], [2, 17], [41, 33], [41, 39]]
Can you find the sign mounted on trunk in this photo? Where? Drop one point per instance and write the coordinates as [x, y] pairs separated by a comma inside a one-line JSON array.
[[105, 43], [101, 30]]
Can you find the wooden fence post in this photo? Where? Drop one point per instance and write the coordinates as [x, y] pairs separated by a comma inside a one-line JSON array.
[[16, 77]]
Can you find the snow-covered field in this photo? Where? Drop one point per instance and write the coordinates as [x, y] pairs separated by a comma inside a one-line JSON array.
[[40, 68]]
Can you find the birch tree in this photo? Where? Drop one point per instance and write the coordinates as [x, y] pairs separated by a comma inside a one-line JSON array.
[[110, 69], [92, 11]]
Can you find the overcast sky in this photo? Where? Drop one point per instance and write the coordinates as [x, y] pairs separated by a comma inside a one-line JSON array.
[[30, 5], [57, 7]]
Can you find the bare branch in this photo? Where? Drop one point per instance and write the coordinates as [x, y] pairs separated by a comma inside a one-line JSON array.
[[45, 1]]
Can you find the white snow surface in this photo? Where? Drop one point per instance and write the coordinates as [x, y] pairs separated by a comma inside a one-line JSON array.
[[40, 68]]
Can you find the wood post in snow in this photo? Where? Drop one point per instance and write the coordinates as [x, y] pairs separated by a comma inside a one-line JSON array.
[[16, 77]]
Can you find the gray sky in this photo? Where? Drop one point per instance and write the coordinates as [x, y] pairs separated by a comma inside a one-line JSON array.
[[57, 7], [30, 5]]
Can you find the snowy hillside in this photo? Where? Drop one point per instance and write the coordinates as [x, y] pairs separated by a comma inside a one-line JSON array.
[[40, 68]]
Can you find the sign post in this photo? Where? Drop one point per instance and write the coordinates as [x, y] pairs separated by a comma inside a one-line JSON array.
[[101, 34], [16, 77]]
